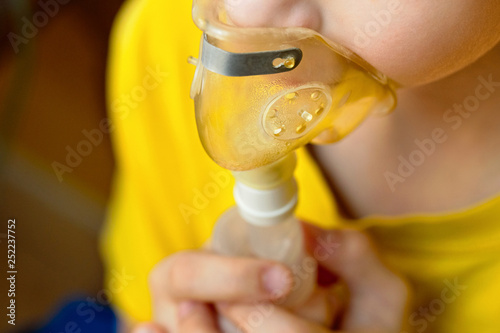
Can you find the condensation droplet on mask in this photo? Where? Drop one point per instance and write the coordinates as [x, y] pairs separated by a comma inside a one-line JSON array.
[[279, 130]]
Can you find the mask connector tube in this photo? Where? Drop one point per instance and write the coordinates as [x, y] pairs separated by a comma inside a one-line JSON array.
[[268, 195]]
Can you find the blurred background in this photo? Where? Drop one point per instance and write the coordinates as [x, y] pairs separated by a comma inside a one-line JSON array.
[[52, 90]]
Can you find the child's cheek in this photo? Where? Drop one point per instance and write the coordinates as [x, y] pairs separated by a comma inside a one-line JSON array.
[[414, 49]]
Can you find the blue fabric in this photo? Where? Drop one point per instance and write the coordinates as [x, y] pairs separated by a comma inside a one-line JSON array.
[[85, 315]]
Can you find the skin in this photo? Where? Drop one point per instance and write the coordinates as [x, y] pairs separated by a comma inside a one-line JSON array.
[[234, 285], [436, 50]]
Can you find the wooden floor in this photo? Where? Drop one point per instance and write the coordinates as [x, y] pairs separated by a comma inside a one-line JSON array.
[[58, 94]]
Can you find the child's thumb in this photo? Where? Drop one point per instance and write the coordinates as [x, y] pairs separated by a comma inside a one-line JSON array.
[[347, 253]]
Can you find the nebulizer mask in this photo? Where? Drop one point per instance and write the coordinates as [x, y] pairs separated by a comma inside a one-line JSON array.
[[261, 93]]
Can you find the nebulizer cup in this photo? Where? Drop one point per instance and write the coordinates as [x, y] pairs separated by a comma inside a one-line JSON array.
[[259, 94]]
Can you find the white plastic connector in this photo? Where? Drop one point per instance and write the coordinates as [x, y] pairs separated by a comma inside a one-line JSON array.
[[266, 207], [268, 195]]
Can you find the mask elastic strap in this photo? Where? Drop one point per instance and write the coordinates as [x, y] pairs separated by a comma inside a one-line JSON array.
[[247, 64]]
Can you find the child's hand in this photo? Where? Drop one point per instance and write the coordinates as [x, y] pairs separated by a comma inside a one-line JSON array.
[[184, 284]]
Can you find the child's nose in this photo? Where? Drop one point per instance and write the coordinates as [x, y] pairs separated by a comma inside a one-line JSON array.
[[274, 13]]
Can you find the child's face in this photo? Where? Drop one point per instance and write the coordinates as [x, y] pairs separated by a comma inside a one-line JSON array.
[[411, 41]]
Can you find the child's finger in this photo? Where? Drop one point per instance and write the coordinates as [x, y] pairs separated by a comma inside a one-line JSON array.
[[210, 277], [148, 328], [267, 318], [347, 253], [194, 316]]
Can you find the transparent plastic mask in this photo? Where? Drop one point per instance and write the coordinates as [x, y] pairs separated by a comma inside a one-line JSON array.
[[261, 93]]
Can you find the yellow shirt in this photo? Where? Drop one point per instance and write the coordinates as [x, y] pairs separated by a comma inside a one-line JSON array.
[[168, 193]]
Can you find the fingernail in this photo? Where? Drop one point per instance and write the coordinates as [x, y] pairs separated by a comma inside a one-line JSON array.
[[186, 308], [276, 280]]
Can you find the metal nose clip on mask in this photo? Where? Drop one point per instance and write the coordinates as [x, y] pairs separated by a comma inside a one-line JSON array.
[[261, 93]]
